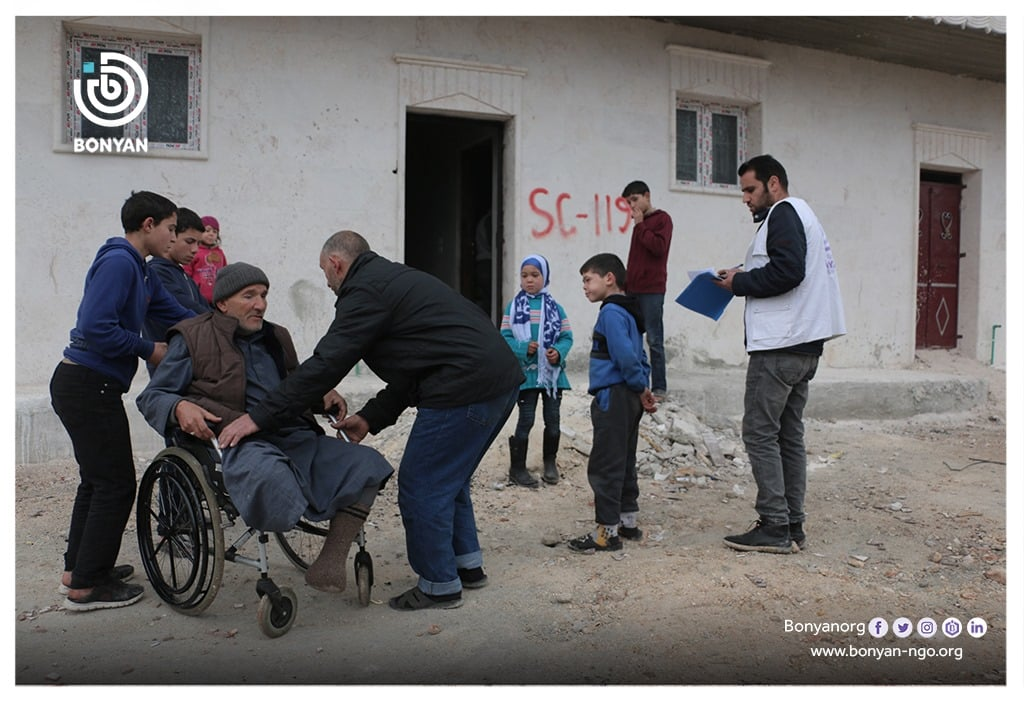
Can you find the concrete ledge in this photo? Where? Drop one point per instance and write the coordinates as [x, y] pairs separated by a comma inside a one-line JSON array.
[[40, 437], [841, 393], [835, 394]]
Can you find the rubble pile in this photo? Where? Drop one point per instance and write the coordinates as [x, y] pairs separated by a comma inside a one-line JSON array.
[[674, 445]]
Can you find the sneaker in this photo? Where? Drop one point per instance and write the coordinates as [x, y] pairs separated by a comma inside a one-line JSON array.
[[796, 532], [631, 533], [763, 538], [105, 596], [588, 543], [118, 572], [472, 578]]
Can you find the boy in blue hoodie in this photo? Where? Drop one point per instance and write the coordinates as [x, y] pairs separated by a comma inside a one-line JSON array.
[[86, 388], [619, 381]]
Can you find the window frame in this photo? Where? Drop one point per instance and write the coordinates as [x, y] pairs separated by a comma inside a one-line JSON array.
[[139, 45], [725, 82], [706, 110]]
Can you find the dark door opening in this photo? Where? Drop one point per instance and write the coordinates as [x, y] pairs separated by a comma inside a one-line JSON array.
[[938, 260], [453, 206]]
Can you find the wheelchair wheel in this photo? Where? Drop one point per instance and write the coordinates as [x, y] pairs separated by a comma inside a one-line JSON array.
[[181, 541], [303, 543], [275, 620]]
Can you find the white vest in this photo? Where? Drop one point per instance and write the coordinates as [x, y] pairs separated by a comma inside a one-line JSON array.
[[811, 311]]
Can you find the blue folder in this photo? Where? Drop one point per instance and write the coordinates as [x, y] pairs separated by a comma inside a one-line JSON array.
[[704, 296]]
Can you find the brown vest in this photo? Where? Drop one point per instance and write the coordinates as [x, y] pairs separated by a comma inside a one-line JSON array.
[[218, 368]]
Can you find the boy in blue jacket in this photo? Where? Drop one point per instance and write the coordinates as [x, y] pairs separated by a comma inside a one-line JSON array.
[[170, 268], [619, 381], [86, 389]]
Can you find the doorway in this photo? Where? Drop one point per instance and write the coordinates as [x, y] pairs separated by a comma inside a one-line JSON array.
[[938, 260], [453, 204]]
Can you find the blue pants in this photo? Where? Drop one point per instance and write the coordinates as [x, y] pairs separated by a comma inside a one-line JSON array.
[[652, 306], [444, 449], [773, 432]]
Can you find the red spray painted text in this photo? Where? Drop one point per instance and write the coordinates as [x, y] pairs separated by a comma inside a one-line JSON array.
[[562, 217]]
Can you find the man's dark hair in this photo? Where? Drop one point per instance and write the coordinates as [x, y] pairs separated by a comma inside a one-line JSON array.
[[145, 204], [605, 263], [765, 167], [189, 220], [635, 187]]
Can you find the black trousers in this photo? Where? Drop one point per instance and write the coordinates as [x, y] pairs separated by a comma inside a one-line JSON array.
[[90, 407], [611, 470]]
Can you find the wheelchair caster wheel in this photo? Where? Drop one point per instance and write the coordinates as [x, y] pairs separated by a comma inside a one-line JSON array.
[[364, 576], [363, 583], [275, 620]]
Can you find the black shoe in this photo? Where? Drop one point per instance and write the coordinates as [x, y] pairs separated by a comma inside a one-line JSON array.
[[416, 599], [118, 572], [588, 543], [796, 532], [472, 578], [763, 538], [106, 596], [631, 533]]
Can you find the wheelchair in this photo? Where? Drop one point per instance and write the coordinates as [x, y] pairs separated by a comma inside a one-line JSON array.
[[182, 511]]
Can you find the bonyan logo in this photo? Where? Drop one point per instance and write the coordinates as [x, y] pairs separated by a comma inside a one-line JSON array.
[[105, 90]]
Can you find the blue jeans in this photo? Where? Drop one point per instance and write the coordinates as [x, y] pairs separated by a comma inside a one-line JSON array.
[[652, 307], [444, 449], [773, 432]]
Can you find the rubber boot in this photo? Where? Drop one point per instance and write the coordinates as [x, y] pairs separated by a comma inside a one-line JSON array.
[[327, 573], [550, 475], [517, 474]]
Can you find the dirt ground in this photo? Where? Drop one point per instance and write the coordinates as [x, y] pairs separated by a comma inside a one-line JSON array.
[[906, 519]]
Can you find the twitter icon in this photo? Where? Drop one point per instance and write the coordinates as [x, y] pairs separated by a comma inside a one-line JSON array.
[[902, 627]]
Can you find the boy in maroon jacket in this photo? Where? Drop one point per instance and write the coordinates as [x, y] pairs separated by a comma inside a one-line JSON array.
[[647, 271]]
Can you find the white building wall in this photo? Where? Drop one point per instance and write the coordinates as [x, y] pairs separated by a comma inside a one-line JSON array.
[[304, 134]]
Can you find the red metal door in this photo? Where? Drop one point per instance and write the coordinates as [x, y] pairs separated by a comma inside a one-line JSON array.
[[938, 265]]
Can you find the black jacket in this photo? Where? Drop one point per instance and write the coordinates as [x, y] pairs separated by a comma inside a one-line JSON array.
[[432, 346]]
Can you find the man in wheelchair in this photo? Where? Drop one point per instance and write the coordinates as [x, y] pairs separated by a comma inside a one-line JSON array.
[[221, 364]]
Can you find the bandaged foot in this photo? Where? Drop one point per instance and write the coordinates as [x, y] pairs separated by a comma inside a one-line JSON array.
[[327, 573]]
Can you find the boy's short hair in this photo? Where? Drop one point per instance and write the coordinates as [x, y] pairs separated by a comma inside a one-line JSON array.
[[606, 263], [189, 220], [145, 204], [635, 187]]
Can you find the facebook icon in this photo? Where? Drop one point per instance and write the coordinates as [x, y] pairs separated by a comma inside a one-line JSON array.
[[878, 627], [977, 627]]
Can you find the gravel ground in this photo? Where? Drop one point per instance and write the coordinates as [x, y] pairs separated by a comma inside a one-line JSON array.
[[906, 519]]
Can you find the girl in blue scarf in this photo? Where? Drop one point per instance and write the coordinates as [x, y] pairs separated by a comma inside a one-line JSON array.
[[538, 331]]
